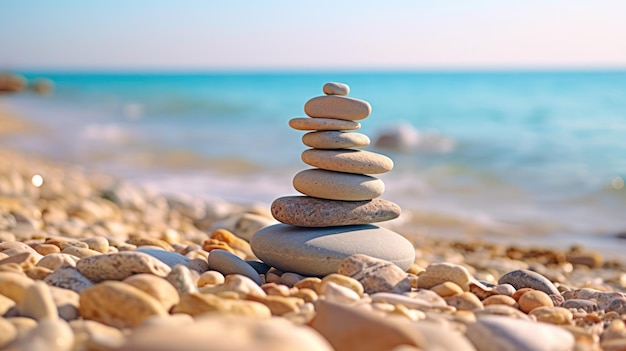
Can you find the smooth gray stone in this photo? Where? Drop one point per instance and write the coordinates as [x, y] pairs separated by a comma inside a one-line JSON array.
[[523, 278], [319, 251], [169, 258], [227, 263], [497, 333], [259, 266]]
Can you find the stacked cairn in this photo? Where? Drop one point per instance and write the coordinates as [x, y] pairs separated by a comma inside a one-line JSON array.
[[333, 220]]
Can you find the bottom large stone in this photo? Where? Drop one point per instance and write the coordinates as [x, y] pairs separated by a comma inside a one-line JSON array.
[[318, 251]]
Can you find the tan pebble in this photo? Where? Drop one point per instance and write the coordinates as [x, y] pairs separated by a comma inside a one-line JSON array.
[[306, 123], [157, 287], [504, 289], [290, 279], [183, 279], [37, 273], [196, 304], [552, 315], [338, 107], [97, 335], [210, 278], [37, 302], [279, 305], [46, 249], [272, 278], [342, 280], [502, 310], [276, 289], [5, 304], [375, 275], [499, 300], [55, 261], [80, 252], [519, 292], [13, 285], [143, 241], [237, 283], [348, 160], [464, 301], [337, 185], [99, 244], [415, 269], [23, 325], [334, 292], [534, 299], [50, 334], [25, 260], [411, 314], [438, 273], [8, 332], [306, 294], [66, 301], [334, 88], [72, 243], [3, 255], [120, 266], [118, 304], [212, 244], [335, 139], [312, 283], [233, 241], [198, 254], [446, 289]]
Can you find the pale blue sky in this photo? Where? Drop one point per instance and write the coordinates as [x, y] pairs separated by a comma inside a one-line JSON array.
[[391, 34]]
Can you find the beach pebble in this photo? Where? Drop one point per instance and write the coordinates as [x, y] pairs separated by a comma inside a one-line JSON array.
[[66, 302], [333, 88], [210, 278], [290, 279], [552, 315], [337, 185], [55, 261], [523, 278], [37, 302], [118, 304], [258, 266], [502, 310], [312, 283], [147, 241], [585, 305], [25, 260], [227, 263], [338, 293], [68, 278], [446, 289], [534, 299], [119, 266], [8, 332], [344, 281], [318, 251], [306, 123], [307, 211], [421, 299], [239, 284], [169, 258], [196, 304], [233, 241], [278, 305], [350, 328], [46, 249], [97, 243], [348, 160], [182, 279], [499, 300], [618, 305], [13, 285], [496, 333], [375, 275], [335, 139], [199, 265], [227, 333], [80, 252], [157, 287], [438, 273], [244, 225], [465, 301], [337, 107], [50, 334]]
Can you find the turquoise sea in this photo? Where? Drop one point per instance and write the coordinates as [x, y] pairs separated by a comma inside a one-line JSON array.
[[527, 156]]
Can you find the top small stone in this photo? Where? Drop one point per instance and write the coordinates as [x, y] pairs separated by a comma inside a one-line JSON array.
[[333, 88]]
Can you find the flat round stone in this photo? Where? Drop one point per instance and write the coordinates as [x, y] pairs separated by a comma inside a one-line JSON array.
[[319, 251], [340, 107], [306, 123], [333, 88], [305, 211], [348, 160], [334, 139], [337, 185]]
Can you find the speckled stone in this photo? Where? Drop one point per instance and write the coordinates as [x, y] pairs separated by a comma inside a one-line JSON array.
[[334, 139], [307, 211], [306, 123], [438, 273], [119, 266], [319, 251], [337, 185], [375, 275], [586, 305], [68, 278], [523, 278], [338, 107], [227, 263], [334, 88], [348, 160]]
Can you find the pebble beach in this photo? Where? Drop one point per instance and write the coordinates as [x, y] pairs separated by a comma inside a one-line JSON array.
[[90, 261]]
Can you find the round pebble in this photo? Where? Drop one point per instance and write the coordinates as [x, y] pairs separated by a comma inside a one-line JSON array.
[[338, 186], [534, 299], [227, 263], [335, 139], [348, 160], [333, 88], [337, 107]]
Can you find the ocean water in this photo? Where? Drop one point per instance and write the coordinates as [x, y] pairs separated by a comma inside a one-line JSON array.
[[531, 156]]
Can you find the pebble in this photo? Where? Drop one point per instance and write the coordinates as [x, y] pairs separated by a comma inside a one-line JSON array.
[[196, 304], [13, 285], [305, 123], [227, 333], [233, 241], [37, 302], [97, 243], [5, 304], [421, 299], [523, 278], [446, 289], [68, 278], [279, 305], [533, 299], [227, 263], [438, 273], [258, 266], [586, 305], [333, 88], [375, 275], [55, 261], [337, 107], [344, 281], [239, 284], [348, 160], [169, 258], [319, 251], [290, 279], [338, 293], [496, 333], [244, 225], [118, 304], [66, 302], [335, 139], [97, 335], [465, 301], [160, 289], [552, 315], [499, 300], [307, 211], [210, 278], [502, 310], [119, 266], [618, 305], [337, 185]]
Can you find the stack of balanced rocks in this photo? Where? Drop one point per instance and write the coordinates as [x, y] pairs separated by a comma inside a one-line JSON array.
[[333, 220]]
